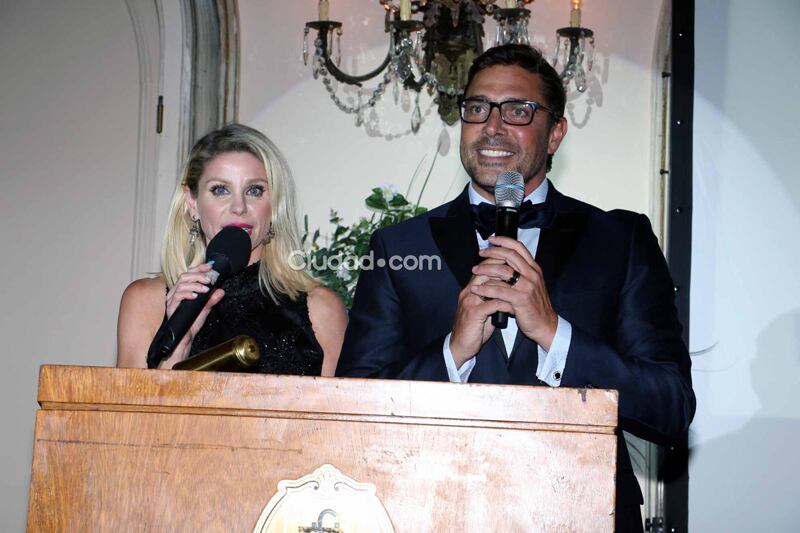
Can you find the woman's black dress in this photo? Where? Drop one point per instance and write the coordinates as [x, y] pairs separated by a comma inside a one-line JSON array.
[[283, 332]]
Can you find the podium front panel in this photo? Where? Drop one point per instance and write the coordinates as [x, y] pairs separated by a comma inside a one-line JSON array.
[[148, 450]]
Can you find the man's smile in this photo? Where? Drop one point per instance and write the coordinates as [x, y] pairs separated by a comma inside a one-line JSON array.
[[494, 153]]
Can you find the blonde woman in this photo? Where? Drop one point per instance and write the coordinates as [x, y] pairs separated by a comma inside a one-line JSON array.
[[235, 176]]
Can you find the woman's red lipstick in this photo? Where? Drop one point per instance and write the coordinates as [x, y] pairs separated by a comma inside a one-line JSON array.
[[247, 227]]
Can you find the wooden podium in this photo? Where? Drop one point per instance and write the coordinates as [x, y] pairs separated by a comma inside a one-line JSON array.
[[161, 450]]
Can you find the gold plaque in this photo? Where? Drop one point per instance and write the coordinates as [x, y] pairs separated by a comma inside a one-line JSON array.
[[325, 501]]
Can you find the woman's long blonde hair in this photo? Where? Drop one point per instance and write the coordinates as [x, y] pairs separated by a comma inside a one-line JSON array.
[[276, 275]]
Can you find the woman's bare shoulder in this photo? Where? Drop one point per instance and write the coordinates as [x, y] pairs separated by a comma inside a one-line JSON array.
[[140, 314], [146, 289], [325, 299], [143, 302], [328, 320]]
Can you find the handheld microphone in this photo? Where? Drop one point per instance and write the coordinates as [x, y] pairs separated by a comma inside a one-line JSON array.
[[509, 190], [228, 252]]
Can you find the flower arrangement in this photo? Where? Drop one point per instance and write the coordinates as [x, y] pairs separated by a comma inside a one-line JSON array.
[[338, 264]]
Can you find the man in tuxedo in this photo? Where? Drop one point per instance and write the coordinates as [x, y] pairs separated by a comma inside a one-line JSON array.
[[595, 308]]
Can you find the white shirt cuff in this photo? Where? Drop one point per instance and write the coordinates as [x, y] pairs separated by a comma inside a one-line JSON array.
[[456, 375], [552, 363]]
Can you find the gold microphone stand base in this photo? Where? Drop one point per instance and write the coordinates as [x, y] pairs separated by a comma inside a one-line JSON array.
[[240, 354]]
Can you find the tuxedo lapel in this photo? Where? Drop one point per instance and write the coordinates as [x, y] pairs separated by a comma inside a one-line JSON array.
[[556, 244], [455, 237]]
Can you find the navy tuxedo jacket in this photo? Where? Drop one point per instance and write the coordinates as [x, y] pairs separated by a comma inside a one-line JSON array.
[[605, 274]]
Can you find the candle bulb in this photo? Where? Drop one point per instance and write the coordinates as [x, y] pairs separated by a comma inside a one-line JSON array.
[[405, 9], [323, 9], [575, 14]]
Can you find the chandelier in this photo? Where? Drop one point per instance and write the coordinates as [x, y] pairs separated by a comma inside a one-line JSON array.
[[434, 51]]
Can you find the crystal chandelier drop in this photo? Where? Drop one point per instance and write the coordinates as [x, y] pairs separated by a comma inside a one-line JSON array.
[[435, 52], [573, 44]]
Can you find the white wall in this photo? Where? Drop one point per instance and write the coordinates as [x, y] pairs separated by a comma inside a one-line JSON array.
[[68, 117], [745, 289], [605, 160]]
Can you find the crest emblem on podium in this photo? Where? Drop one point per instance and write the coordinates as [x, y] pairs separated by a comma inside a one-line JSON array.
[[325, 501]]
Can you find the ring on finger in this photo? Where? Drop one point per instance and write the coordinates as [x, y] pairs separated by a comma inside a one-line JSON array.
[[513, 279]]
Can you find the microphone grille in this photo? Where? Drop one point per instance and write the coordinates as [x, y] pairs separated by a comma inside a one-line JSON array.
[[509, 190], [232, 243]]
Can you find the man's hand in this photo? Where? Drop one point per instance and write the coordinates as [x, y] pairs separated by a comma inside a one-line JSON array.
[[472, 327], [527, 299]]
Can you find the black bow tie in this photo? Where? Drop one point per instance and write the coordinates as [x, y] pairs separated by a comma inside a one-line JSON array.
[[530, 216]]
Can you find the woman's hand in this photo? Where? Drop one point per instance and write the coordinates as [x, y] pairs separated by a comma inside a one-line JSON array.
[[190, 284]]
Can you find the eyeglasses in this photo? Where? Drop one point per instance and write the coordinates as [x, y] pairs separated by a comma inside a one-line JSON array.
[[513, 112]]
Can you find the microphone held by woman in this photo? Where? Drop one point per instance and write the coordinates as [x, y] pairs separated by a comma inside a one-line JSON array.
[[228, 251]]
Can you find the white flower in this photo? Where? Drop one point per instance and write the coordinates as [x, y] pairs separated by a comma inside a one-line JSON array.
[[389, 191], [343, 273]]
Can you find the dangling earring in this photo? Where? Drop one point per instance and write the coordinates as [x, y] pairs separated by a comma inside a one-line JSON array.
[[194, 232], [269, 236]]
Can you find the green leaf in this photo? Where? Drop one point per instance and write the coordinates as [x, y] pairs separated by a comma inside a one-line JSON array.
[[377, 202], [398, 201]]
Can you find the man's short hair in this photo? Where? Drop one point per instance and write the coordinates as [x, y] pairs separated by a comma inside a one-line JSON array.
[[530, 59]]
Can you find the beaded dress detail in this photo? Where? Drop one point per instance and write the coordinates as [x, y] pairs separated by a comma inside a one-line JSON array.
[[283, 332]]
